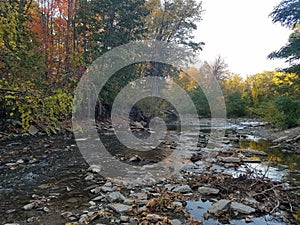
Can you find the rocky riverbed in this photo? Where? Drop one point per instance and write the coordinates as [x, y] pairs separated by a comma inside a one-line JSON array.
[[45, 180]]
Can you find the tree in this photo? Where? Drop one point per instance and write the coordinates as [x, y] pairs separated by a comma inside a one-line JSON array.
[[219, 68], [174, 21], [288, 14], [103, 25]]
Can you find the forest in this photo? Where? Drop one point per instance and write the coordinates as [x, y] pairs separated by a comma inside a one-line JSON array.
[[46, 46]]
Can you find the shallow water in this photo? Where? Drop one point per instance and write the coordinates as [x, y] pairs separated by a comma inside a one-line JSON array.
[[198, 208]]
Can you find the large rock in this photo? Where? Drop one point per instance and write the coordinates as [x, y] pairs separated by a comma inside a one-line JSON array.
[[208, 191], [241, 208], [218, 206]]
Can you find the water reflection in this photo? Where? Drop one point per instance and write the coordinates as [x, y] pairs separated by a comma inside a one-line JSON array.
[[277, 157], [199, 208]]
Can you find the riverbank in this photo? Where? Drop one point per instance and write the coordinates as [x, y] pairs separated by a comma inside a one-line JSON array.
[[44, 180]]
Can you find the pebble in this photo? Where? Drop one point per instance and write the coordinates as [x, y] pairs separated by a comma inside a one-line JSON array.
[[95, 169], [29, 206], [92, 203]]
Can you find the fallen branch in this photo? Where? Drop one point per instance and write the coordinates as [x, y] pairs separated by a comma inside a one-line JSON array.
[[277, 202], [269, 189]]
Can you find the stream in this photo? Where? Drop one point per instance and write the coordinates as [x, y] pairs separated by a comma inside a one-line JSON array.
[[52, 171]]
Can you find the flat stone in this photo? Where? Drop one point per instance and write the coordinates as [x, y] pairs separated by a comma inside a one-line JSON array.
[[208, 191], [115, 197], [241, 208], [218, 206], [120, 208], [183, 189], [229, 159]]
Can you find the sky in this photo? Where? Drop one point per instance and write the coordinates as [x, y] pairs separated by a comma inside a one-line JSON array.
[[242, 33]]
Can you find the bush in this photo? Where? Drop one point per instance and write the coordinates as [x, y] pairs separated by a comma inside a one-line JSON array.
[[282, 112]]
